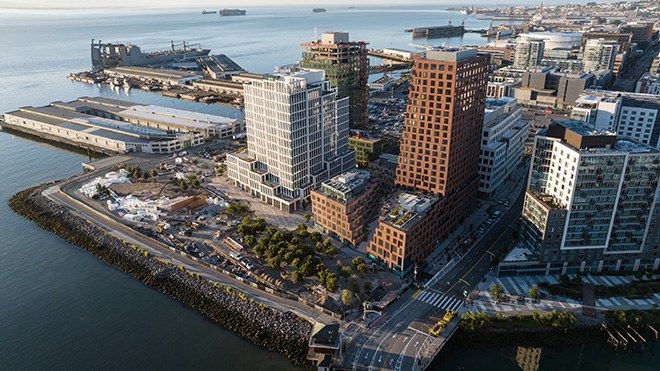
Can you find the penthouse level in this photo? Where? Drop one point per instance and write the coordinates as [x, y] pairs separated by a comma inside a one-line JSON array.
[[100, 134]]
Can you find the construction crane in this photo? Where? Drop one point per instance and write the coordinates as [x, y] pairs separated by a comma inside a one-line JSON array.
[[450, 18]]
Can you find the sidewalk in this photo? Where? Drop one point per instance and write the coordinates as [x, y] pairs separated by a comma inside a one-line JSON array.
[[519, 285], [509, 191]]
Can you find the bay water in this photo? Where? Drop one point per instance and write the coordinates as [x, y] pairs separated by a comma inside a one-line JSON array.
[[62, 308]]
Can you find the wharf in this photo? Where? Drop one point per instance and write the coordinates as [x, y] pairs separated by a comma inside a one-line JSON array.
[[53, 138], [206, 90]]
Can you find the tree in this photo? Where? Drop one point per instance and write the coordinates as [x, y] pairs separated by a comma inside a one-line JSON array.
[[297, 276], [191, 177], [323, 275], [295, 241], [362, 269], [303, 233], [327, 243], [275, 262], [502, 250], [319, 247], [355, 286], [250, 240], [145, 175], [195, 183], [367, 287], [304, 204], [260, 250], [307, 216], [346, 297], [154, 172], [220, 171], [534, 292], [260, 224], [332, 282], [346, 272], [332, 251], [497, 291], [272, 231], [297, 263], [183, 186], [357, 261], [316, 236]]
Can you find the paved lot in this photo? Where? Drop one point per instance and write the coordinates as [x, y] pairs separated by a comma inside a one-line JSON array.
[[272, 215]]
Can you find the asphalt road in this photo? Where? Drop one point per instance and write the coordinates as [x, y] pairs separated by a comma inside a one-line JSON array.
[[628, 81], [397, 340], [127, 234]]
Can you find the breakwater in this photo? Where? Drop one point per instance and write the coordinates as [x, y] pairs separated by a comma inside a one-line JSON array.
[[282, 332]]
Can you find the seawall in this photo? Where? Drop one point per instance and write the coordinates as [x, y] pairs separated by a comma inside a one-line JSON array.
[[282, 332]]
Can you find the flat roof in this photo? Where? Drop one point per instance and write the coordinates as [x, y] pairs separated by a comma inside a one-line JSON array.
[[80, 127]]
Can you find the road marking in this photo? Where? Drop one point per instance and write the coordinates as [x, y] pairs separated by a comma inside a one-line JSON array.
[[417, 293], [390, 351]]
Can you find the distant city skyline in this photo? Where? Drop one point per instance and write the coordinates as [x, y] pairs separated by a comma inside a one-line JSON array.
[[100, 4]]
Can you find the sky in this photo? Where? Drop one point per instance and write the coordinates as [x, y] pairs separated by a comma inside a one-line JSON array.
[[213, 4]]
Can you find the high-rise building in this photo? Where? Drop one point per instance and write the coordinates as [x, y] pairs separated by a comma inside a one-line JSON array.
[[599, 55], [297, 132], [589, 202], [346, 66], [502, 143], [529, 52], [439, 154]]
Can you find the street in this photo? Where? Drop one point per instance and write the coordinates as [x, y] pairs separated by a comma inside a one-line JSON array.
[[400, 342]]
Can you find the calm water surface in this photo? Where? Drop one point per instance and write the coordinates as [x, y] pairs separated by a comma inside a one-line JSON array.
[[62, 308]]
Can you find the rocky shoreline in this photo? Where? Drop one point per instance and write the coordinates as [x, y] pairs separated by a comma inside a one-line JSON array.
[[281, 332]]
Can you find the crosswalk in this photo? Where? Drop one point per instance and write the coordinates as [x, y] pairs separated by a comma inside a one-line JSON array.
[[438, 300]]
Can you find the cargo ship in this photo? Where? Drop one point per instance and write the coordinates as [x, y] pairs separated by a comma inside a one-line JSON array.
[[228, 12], [318, 10], [208, 12]]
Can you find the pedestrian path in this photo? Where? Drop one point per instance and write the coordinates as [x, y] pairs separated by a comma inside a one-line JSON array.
[[520, 285], [438, 300]]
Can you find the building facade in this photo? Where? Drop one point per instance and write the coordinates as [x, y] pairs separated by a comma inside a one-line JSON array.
[[439, 155], [529, 52], [408, 231], [367, 146], [589, 204], [344, 206], [346, 66], [649, 83], [599, 55], [630, 115], [502, 143], [297, 133]]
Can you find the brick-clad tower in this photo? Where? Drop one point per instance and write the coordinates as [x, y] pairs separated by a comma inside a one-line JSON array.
[[442, 137]]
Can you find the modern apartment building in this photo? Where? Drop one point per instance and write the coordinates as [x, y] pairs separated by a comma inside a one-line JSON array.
[[346, 66], [529, 52], [297, 132], [589, 204], [439, 155], [655, 65], [630, 115], [502, 143], [408, 231], [649, 83], [367, 146], [599, 54], [344, 206]]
